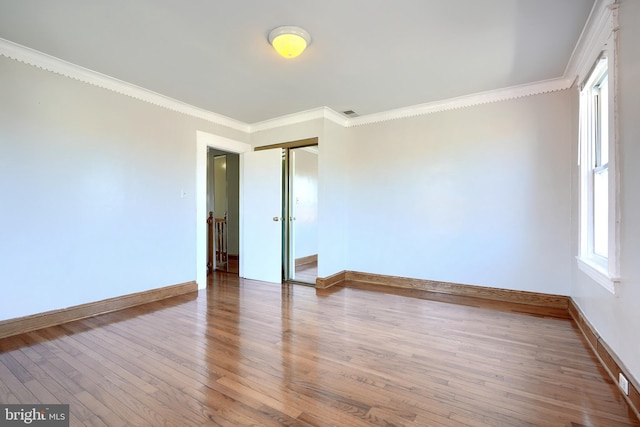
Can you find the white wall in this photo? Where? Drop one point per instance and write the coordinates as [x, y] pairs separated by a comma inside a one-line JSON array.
[[305, 202], [91, 185], [210, 181], [220, 186], [616, 317], [477, 196], [332, 200], [233, 201]]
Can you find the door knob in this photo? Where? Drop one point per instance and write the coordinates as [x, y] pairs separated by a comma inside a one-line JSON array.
[[275, 218]]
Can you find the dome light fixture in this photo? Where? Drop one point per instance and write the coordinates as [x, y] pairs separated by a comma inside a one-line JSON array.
[[289, 41]]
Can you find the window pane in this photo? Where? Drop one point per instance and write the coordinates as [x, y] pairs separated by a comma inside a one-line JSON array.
[[601, 212], [604, 121]]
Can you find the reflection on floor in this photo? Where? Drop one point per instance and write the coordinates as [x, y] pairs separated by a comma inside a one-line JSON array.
[[307, 273], [231, 266]]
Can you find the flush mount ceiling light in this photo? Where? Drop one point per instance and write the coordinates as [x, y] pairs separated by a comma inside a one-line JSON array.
[[289, 41]]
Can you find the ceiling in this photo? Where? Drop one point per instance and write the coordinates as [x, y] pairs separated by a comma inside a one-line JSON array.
[[368, 56]]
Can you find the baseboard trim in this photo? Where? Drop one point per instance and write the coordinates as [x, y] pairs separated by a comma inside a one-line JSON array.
[[506, 295], [334, 279], [33, 322], [609, 360], [306, 260]]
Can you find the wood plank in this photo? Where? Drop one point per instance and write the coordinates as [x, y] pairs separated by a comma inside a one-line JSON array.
[[250, 353]]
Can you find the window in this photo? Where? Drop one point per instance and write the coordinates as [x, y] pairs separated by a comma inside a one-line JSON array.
[[598, 236]]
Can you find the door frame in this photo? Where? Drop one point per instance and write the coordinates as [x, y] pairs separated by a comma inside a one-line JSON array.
[[204, 140]]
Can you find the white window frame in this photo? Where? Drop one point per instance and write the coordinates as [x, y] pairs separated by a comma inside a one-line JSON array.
[[604, 270]]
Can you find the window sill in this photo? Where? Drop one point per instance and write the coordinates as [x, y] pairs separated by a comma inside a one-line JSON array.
[[598, 273]]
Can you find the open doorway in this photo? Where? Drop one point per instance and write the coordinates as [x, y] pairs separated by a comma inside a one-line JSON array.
[[205, 140], [223, 206]]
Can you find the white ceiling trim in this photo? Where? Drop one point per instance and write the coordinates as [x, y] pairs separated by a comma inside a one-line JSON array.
[[505, 94], [303, 116], [56, 65], [592, 41]]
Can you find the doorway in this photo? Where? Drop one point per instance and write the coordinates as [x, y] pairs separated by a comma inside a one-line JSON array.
[[204, 141], [223, 205]]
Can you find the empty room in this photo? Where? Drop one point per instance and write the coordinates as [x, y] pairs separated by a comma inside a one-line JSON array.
[[393, 213]]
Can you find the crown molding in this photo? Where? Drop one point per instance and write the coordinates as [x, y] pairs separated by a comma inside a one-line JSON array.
[[336, 117], [504, 94], [593, 39], [55, 65], [300, 117]]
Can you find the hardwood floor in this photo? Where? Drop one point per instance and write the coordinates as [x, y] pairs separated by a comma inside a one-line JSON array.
[[251, 353]]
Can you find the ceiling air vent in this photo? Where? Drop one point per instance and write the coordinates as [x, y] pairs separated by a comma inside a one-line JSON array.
[[350, 113]]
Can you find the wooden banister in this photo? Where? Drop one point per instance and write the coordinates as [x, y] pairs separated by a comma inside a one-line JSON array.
[[210, 243], [221, 243]]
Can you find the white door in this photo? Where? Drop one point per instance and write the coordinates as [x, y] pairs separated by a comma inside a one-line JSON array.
[[261, 195]]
